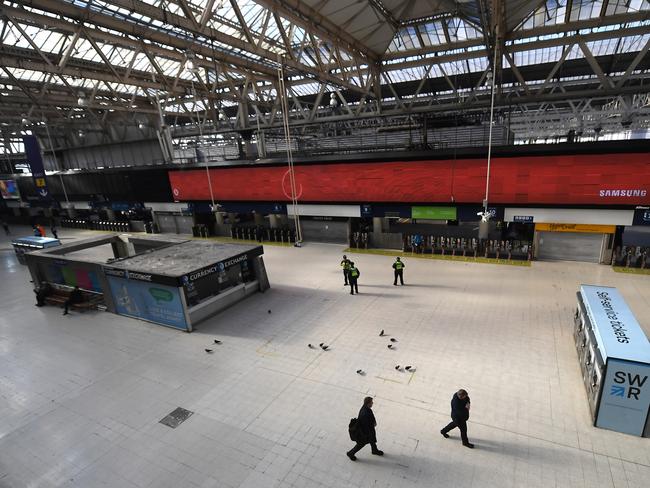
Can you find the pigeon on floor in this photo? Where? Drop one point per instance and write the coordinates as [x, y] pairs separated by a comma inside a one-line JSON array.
[[208, 351], [217, 341], [310, 346], [269, 311], [361, 372], [324, 348], [410, 369], [381, 334], [398, 368], [392, 339], [390, 346]]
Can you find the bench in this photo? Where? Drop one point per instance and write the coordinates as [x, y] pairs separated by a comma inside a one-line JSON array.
[[59, 295]]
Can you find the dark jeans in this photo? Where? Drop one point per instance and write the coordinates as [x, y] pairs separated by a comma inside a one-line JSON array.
[[353, 286], [400, 273], [345, 276], [361, 445], [461, 424]]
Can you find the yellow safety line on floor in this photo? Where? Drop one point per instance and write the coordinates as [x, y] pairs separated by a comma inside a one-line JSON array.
[[465, 259], [622, 269]]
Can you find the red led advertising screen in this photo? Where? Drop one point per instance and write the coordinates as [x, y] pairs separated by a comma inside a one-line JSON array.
[[601, 179]]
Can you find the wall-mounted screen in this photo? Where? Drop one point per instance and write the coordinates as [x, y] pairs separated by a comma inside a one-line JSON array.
[[9, 190]]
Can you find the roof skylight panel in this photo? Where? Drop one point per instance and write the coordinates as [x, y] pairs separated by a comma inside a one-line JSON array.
[[633, 43]]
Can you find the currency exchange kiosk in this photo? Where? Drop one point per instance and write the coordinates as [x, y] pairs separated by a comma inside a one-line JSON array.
[[614, 356]]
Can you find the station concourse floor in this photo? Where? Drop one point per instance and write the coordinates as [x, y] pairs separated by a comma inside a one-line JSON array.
[[81, 396]]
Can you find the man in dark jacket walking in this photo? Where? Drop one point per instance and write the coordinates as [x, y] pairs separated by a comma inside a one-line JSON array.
[[459, 416], [366, 433]]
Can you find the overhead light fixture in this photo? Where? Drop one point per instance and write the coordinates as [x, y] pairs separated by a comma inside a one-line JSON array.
[[82, 101], [81, 134], [141, 125], [190, 64], [333, 101]]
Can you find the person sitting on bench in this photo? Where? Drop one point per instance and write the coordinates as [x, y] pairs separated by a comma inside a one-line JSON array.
[[75, 297], [42, 291]]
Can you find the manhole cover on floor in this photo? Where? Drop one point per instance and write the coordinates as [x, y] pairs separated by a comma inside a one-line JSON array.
[[176, 418]]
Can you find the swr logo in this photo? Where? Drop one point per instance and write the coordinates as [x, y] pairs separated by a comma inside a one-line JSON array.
[[622, 377]]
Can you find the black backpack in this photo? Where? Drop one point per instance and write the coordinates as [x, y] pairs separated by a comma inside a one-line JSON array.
[[353, 429]]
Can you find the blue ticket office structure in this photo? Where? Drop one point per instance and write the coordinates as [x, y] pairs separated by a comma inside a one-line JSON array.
[[27, 244], [614, 355]]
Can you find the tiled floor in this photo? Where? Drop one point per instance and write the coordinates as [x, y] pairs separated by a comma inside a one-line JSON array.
[[81, 396]]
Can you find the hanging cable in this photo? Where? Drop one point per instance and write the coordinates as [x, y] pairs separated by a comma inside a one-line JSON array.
[[489, 155], [287, 135], [207, 168], [49, 138]]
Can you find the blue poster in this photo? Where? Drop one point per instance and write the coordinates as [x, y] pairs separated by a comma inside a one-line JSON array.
[[35, 161], [149, 301]]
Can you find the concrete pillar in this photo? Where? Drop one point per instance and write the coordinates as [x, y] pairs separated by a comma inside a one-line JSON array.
[[377, 225], [219, 217], [232, 218], [274, 220], [259, 218], [110, 214], [72, 212], [284, 219]]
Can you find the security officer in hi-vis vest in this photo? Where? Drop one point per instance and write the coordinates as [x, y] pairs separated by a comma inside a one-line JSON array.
[[353, 276], [345, 264], [399, 266]]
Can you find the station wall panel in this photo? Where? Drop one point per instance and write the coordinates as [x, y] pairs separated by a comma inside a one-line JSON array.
[[601, 179]]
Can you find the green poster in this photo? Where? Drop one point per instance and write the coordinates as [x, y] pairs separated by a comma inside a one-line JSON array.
[[433, 213]]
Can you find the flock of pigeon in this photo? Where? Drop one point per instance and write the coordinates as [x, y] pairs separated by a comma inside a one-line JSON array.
[[409, 369], [325, 347]]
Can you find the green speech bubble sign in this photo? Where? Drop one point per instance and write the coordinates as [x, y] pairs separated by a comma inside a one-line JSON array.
[[161, 295]]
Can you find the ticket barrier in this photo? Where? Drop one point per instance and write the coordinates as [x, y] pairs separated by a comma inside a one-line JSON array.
[[631, 257], [614, 357]]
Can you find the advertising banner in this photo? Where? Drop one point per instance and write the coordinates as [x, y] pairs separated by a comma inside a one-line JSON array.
[[592, 179], [584, 228], [433, 213], [9, 190], [641, 216], [149, 301], [625, 397], [35, 161]]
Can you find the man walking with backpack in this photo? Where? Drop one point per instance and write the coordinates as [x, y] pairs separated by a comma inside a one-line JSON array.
[[364, 431]]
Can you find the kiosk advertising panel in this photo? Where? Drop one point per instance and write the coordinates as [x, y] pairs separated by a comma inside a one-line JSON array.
[[622, 398], [9, 190], [148, 301]]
